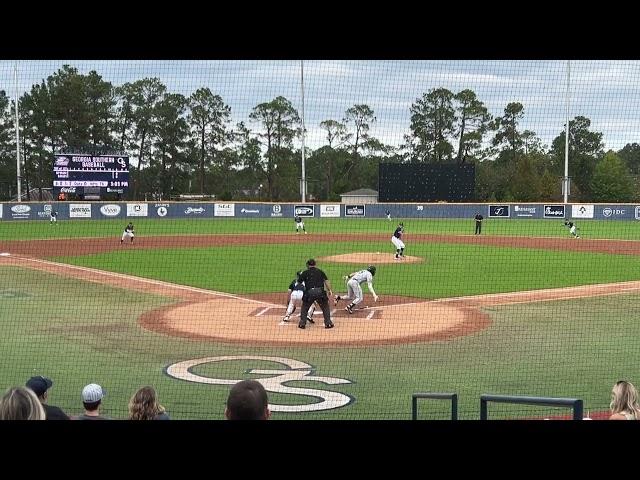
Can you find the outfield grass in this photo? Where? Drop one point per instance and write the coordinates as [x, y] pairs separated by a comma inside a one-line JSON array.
[[16, 230], [449, 269], [561, 348]]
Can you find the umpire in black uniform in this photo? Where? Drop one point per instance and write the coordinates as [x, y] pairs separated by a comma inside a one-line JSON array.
[[315, 281], [478, 219]]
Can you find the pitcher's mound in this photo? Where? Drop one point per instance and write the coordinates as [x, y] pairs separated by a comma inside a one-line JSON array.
[[371, 258]]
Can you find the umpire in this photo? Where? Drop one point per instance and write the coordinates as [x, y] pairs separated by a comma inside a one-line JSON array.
[[315, 281]]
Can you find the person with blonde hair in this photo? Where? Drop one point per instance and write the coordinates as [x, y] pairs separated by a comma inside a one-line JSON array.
[[624, 402], [20, 403], [144, 405]]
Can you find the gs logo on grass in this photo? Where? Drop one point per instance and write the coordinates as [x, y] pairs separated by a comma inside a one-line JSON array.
[[280, 381]]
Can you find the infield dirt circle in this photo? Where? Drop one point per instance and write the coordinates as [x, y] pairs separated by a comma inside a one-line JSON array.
[[369, 258]]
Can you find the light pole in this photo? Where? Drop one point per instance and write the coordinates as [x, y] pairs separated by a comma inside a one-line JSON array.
[[17, 124], [565, 180], [303, 187]]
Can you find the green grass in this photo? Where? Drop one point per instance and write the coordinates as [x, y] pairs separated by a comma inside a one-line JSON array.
[[16, 230], [449, 270], [78, 332]]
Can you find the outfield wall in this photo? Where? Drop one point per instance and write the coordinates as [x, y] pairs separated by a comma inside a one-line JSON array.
[[133, 210]]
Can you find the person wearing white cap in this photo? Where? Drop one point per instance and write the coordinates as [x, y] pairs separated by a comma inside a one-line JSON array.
[[92, 396]]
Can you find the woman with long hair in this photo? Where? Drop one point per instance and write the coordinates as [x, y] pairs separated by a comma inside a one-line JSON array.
[[144, 405], [20, 403], [624, 402]]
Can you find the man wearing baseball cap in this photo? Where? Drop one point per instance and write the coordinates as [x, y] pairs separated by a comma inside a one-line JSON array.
[[92, 396], [40, 386]]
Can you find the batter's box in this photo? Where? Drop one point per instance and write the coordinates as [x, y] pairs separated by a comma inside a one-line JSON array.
[[335, 312]]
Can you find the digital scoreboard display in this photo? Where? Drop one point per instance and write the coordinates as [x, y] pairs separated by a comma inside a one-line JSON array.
[[73, 173]]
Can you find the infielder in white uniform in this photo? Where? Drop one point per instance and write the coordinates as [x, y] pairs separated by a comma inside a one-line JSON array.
[[128, 232], [296, 291], [354, 290]]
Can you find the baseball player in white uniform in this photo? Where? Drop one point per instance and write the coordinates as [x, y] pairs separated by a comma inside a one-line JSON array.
[[396, 239], [296, 291], [299, 224], [128, 232], [354, 290]]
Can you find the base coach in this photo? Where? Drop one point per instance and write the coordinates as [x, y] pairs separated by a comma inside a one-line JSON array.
[[316, 286]]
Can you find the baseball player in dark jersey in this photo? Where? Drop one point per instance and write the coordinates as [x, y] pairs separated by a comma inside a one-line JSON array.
[[317, 284], [128, 232], [296, 291], [396, 239], [53, 217], [572, 228], [388, 214], [478, 218], [299, 224]]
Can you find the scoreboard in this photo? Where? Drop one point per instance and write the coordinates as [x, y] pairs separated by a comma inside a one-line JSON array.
[[81, 173]]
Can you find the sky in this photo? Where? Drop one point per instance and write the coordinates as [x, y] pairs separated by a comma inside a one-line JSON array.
[[607, 92]]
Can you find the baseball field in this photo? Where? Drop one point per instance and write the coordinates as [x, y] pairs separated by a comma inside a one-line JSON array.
[[195, 305]]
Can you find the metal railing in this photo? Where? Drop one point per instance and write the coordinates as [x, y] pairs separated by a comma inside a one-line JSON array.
[[574, 403], [437, 396]]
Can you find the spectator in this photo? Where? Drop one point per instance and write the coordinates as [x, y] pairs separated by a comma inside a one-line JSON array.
[[624, 402], [144, 405], [20, 403], [40, 386], [92, 396], [247, 401]]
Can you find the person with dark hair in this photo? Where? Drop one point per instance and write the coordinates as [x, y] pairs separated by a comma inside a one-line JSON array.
[[354, 290], [296, 291], [40, 386], [247, 401], [478, 219], [316, 286], [92, 396]]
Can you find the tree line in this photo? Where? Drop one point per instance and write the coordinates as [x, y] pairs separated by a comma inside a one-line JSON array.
[[190, 144]]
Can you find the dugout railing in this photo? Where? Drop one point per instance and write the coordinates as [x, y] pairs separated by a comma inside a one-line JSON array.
[[434, 396], [575, 403]]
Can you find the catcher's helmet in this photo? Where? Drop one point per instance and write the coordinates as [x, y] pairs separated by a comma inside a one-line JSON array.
[[372, 269]]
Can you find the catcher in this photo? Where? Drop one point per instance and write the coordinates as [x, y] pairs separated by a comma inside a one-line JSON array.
[[572, 228], [354, 290], [128, 232]]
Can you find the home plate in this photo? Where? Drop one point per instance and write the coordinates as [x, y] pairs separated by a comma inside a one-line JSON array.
[[4, 254]]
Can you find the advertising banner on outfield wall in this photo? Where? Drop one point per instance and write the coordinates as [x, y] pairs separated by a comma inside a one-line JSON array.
[[637, 212], [224, 210], [250, 210], [554, 211], [276, 210], [137, 210], [304, 210], [19, 211], [354, 210], [110, 210], [499, 211], [79, 210], [524, 210], [615, 211], [160, 210], [330, 210], [200, 210], [0, 210], [582, 211], [43, 211]]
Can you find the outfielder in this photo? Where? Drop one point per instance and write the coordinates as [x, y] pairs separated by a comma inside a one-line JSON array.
[[388, 214], [396, 239], [128, 232], [53, 217], [572, 228], [299, 224], [354, 290], [296, 291]]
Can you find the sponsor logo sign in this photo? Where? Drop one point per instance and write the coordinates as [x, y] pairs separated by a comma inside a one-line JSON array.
[[137, 210], [80, 210], [1, 210], [329, 210], [68, 190], [194, 210], [249, 210], [354, 210], [46, 211], [224, 210], [280, 378], [524, 211], [612, 212], [20, 211], [582, 211], [162, 211], [110, 210], [637, 212], [62, 161], [276, 211], [499, 210], [304, 210], [554, 211]]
